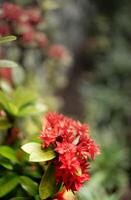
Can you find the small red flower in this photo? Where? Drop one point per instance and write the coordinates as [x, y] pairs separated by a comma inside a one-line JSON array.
[[41, 39], [34, 15], [58, 51], [11, 11], [6, 74], [4, 29], [28, 37], [26, 31]]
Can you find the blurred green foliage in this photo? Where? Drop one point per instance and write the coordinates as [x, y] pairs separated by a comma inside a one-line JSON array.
[[105, 91]]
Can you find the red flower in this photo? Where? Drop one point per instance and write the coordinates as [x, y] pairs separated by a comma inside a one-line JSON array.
[[65, 147], [28, 37], [34, 15], [4, 29], [26, 31], [73, 145], [58, 51], [60, 195], [11, 11], [41, 39], [6, 74]]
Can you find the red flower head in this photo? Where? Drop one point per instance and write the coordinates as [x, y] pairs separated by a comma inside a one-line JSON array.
[[4, 29], [34, 15], [41, 39], [60, 195], [12, 11], [26, 31], [73, 146], [6, 74], [58, 52]]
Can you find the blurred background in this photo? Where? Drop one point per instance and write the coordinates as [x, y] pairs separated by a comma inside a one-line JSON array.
[[76, 55]]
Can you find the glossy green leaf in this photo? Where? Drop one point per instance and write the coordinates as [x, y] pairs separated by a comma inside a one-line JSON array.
[[8, 183], [8, 64], [48, 184], [6, 164], [4, 123], [37, 154], [8, 153], [30, 186], [9, 38]]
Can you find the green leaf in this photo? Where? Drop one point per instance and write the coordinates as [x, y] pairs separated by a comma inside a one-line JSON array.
[[28, 110], [7, 39], [4, 123], [6, 164], [8, 64], [20, 198], [8, 183], [48, 184], [50, 5], [30, 147], [18, 72], [23, 97], [8, 153], [37, 108], [37, 154], [4, 100], [29, 185], [5, 86], [12, 109], [37, 197]]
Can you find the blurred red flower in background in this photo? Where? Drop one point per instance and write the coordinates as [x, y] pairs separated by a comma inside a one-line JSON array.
[[6, 74]]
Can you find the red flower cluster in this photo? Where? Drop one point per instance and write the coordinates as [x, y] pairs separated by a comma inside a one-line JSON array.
[[22, 22], [74, 147], [58, 52]]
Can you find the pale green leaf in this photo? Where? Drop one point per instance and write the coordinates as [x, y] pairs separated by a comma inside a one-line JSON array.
[[37, 154], [5, 86], [18, 72], [50, 5], [7, 39], [8, 64], [30, 147]]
